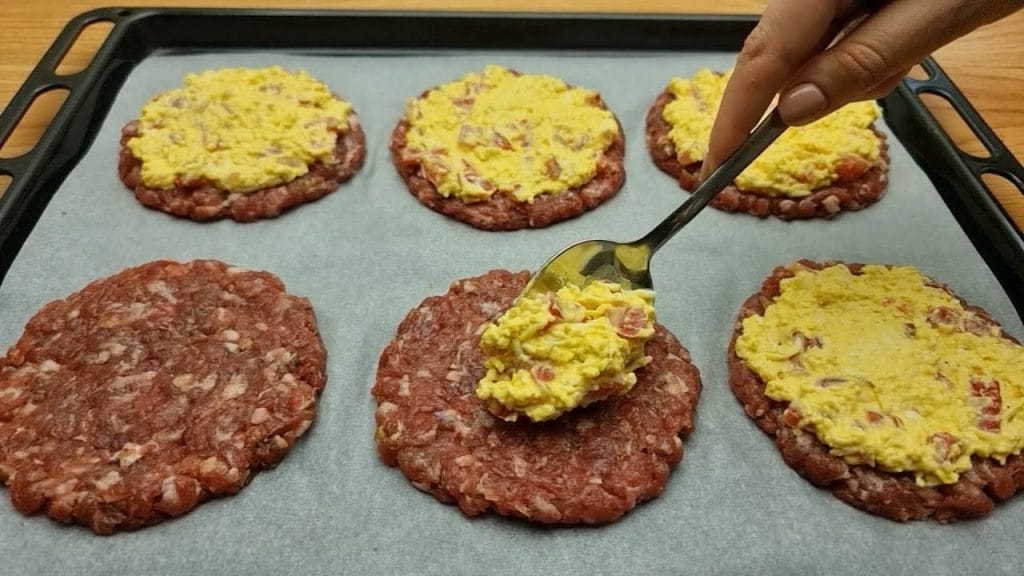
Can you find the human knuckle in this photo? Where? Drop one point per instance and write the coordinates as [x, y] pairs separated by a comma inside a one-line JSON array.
[[763, 53], [865, 63], [756, 46]]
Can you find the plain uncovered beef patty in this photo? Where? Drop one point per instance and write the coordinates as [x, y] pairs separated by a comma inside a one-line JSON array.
[[589, 466], [148, 392], [851, 194], [199, 200], [893, 495]]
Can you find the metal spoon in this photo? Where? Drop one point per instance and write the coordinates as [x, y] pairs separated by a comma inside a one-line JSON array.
[[628, 264]]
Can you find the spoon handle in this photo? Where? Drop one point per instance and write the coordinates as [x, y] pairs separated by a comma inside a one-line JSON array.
[[766, 132]]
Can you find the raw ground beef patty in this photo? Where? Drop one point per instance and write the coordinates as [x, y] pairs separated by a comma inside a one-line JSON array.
[[825, 202], [893, 495], [589, 466], [148, 392], [503, 212], [200, 201]]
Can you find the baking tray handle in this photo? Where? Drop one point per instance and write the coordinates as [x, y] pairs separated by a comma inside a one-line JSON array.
[[51, 147], [43, 78], [1000, 160], [958, 177]]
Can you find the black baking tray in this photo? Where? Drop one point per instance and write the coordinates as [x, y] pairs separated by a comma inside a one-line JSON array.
[[140, 32]]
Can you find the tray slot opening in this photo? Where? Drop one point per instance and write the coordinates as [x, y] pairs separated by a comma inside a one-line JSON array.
[[1008, 192], [954, 125], [919, 73], [5, 183], [83, 47], [39, 114]]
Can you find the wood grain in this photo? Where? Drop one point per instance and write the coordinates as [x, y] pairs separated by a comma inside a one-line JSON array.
[[987, 65]]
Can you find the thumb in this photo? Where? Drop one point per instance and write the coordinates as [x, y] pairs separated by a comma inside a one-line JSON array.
[[863, 63]]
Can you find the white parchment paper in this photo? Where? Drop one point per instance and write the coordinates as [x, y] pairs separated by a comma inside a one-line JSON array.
[[369, 252]]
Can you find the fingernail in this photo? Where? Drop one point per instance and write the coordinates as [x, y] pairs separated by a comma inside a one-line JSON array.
[[802, 104]]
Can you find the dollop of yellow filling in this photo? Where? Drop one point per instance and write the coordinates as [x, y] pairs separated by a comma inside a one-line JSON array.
[[838, 147], [888, 370], [524, 135], [238, 129], [552, 353]]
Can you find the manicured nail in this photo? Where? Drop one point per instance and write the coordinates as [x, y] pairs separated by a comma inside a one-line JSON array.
[[802, 104]]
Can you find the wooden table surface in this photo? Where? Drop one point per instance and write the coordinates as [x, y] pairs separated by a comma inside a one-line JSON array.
[[988, 65]]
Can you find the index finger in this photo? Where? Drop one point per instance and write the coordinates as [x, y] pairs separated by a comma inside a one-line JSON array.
[[788, 34]]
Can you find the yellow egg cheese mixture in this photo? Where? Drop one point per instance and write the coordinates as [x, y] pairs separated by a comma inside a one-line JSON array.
[[889, 371], [549, 354], [239, 129], [526, 135], [838, 147]]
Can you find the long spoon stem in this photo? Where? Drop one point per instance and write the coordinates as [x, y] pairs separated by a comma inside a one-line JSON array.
[[766, 132]]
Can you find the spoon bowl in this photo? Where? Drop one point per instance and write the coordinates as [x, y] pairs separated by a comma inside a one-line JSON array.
[[628, 263]]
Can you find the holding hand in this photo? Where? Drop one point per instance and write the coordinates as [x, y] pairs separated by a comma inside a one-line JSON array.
[[788, 53]]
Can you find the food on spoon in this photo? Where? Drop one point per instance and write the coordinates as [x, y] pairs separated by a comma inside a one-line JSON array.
[[242, 143], [150, 391], [501, 150], [883, 386], [837, 163], [591, 465], [560, 350]]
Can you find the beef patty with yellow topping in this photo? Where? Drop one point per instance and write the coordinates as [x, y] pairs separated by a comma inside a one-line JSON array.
[[837, 163], [240, 143], [885, 387], [589, 464], [501, 150]]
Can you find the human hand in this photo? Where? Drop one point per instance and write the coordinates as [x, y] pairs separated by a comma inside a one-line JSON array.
[[788, 53]]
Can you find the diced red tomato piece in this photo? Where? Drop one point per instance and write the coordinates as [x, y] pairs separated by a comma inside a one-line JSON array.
[[553, 308], [628, 322], [943, 316], [542, 373], [947, 446], [988, 401], [850, 168], [791, 417]]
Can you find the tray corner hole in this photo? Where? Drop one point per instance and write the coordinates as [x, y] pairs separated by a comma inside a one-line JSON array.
[[84, 47], [1007, 193], [919, 73], [959, 132], [33, 122], [5, 182]]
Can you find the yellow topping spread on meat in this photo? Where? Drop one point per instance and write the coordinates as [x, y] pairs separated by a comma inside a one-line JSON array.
[[238, 129], [839, 147], [889, 371], [524, 135], [549, 354]]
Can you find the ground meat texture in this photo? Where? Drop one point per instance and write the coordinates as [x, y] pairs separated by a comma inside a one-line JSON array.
[[201, 201], [502, 211], [148, 392], [889, 494], [853, 193], [589, 466]]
